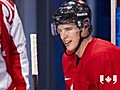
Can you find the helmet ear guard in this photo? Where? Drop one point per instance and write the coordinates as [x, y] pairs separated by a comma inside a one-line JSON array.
[[53, 29]]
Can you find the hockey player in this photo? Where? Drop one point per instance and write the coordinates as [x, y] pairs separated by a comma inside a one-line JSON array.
[[89, 63], [14, 66]]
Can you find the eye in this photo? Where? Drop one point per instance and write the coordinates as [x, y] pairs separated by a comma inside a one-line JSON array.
[[69, 29], [59, 31]]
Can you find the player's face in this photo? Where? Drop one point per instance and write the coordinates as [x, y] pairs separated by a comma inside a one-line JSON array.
[[69, 34]]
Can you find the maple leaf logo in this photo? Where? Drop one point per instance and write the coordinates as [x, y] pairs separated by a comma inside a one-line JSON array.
[[108, 79]]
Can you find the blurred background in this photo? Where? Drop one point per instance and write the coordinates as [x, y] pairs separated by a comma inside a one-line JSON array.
[[36, 18]]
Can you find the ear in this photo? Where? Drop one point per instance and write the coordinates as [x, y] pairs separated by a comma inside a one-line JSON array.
[[86, 23], [86, 26]]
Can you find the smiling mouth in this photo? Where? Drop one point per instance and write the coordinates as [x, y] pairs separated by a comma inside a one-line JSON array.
[[67, 43]]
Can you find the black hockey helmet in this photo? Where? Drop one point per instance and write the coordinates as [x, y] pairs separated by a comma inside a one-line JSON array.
[[74, 11]]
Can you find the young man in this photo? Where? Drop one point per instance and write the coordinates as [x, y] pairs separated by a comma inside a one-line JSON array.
[[14, 66], [88, 63]]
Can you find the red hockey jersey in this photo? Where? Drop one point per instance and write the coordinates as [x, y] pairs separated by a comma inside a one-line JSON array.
[[98, 68]]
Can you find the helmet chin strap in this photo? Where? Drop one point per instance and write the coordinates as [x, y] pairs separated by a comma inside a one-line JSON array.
[[80, 41]]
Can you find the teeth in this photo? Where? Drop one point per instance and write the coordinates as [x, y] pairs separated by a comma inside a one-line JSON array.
[[67, 42]]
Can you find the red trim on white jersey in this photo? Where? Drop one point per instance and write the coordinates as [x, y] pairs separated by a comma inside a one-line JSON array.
[[13, 48]]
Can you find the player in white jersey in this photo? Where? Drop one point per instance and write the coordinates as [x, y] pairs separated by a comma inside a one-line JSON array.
[[14, 65]]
